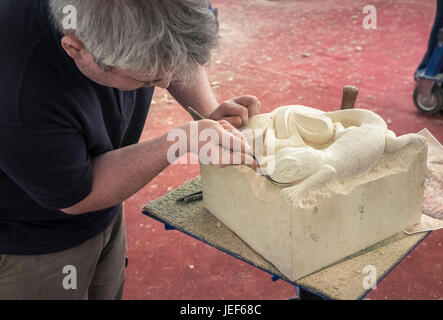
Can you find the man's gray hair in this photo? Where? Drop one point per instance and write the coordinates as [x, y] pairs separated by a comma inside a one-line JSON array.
[[155, 37]]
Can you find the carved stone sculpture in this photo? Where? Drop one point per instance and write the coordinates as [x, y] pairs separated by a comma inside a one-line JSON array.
[[357, 140], [353, 183]]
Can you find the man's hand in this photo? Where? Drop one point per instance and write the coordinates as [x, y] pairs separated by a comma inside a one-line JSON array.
[[237, 110], [219, 144]]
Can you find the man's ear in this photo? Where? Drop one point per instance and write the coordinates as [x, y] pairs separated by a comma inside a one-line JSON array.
[[73, 47]]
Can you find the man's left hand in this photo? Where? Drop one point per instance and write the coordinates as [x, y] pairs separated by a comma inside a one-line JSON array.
[[237, 110]]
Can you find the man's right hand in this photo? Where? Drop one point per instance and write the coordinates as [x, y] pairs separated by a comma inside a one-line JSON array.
[[219, 143]]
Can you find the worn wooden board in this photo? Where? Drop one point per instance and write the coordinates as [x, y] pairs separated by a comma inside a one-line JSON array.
[[342, 280]]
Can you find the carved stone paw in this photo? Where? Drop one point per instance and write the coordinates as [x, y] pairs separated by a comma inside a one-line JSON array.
[[292, 194]]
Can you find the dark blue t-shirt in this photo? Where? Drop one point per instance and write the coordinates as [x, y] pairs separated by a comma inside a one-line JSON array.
[[53, 121]]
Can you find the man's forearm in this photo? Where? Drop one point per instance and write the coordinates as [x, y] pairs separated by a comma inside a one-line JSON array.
[[198, 95], [120, 173]]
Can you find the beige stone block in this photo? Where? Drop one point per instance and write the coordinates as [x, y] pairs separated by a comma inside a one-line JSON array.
[[330, 222]]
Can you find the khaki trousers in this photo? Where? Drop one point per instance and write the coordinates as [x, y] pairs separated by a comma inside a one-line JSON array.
[[93, 270]]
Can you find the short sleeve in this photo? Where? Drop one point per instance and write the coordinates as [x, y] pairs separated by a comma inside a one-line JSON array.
[[50, 164]]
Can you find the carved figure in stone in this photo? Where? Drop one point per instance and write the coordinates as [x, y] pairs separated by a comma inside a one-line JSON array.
[[310, 147]]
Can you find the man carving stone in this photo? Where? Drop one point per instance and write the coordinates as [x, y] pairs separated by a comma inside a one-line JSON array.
[[75, 97]]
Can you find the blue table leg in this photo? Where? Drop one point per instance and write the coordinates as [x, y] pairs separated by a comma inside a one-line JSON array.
[[169, 227]]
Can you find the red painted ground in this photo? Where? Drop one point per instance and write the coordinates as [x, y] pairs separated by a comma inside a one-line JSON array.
[[262, 54]]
